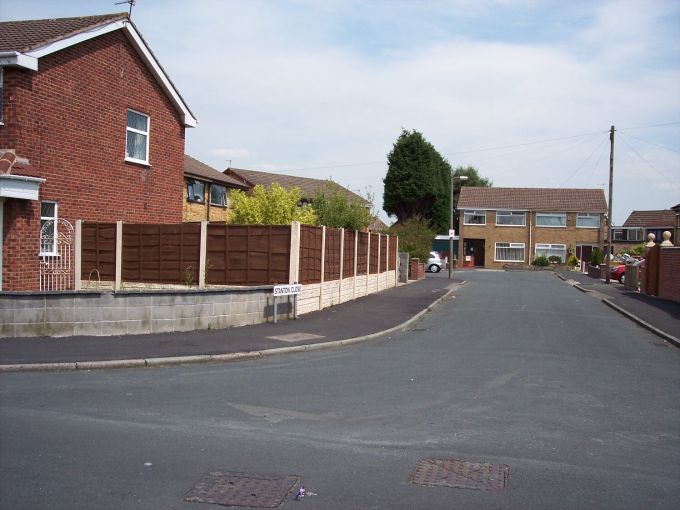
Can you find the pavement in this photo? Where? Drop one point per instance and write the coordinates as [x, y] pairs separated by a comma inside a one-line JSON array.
[[354, 321], [660, 316]]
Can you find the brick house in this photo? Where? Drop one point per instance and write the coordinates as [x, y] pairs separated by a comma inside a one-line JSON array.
[[307, 185], [96, 128], [206, 192], [640, 224], [505, 226]]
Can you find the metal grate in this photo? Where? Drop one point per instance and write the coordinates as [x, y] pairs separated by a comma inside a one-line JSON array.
[[241, 489], [461, 474]]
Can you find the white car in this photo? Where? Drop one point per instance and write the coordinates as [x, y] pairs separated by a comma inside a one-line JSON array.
[[434, 263]]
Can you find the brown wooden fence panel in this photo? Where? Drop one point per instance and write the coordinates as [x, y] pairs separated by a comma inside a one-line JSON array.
[[383, 253], [348, 255], [98, 252], [362, 255], [155, 253], [247, 254], [392, 259], [373, 258], [332, 255], [310, 254]]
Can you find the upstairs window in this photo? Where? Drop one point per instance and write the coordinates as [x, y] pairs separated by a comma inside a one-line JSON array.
[[474, 218], [551, 219], [195, 191], [627, 234], [137, 137], [48, 228], [218, 195], [513, 218], [588, 220]]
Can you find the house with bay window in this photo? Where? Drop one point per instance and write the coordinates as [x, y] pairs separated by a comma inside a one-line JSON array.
[[91, 128], [505, 226]]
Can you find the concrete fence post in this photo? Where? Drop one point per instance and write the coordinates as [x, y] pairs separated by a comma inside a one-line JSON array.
[[323, 265], [368, 262], [356, 261], [377, 277], [117, 284], [342, 262], [294, 263], [203, 255], [396, 261], [78, 256]]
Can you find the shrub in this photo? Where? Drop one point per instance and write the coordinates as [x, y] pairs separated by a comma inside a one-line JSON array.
[[415, 237], [597, 257], [555, 259], [541, 261], [638, 250], [573, 261]]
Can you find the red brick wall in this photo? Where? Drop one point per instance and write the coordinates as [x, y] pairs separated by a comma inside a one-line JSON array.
[[69, 119], [669, 274]]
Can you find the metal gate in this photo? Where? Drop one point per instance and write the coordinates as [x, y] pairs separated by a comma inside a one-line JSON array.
[[56, 255]]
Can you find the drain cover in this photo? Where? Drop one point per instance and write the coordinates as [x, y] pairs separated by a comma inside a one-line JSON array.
[[241, 489], [296, 337], [461, 474]]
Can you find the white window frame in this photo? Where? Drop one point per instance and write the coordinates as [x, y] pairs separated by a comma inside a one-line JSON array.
[[55, 219], [627, 230], [548, 247], [588, 215], [146, 133], [226, 195], [511, 214], [510, 246], [474, 213], [551, 214]]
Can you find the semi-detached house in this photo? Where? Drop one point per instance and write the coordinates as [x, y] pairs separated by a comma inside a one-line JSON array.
[[91, 128], [507, 226]]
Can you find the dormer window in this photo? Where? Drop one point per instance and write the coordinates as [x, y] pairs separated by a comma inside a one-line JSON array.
[[137, 138]]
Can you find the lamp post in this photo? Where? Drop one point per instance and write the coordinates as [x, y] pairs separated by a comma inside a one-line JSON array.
[[460, 178]]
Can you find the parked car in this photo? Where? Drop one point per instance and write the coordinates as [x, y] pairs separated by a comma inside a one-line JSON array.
[[434, 263], [618, 273]]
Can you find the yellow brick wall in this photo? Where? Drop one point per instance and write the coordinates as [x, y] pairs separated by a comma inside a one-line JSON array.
[[195, 211], [491, 233]]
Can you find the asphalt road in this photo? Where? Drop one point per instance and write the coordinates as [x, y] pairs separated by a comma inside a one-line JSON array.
[[519, 369]]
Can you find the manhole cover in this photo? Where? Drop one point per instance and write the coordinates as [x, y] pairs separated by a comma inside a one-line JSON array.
[[461, 474], [241, 489], [296, 337]]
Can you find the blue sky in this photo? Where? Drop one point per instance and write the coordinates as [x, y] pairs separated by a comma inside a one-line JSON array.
[[323, 88]]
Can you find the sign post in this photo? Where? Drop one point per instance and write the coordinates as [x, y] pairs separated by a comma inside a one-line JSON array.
[[287, 290]]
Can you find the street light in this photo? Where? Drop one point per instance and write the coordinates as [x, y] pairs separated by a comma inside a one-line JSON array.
[[460, 178]]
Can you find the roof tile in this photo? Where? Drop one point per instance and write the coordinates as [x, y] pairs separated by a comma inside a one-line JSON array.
[[533, 199], [197, 169], [27, 35], [659, 218]]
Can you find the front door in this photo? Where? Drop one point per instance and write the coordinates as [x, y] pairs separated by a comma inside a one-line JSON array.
[[473, 253]]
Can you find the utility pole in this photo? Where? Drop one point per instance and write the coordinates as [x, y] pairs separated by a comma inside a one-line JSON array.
[[609, 213]]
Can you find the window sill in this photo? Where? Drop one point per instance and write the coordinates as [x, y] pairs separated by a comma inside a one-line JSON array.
[[200, 202], [501, 225], [474, 224], [591, 228], [138, 162], [219, 205], [550, 226]]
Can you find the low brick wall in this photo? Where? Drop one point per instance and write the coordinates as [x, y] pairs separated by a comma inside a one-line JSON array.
[[669, 274], [416, 270], [120, 313]]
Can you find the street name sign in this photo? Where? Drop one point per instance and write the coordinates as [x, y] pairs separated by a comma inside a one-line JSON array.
[[287, 290]]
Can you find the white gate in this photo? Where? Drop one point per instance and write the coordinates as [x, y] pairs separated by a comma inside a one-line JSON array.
[[56, 255]]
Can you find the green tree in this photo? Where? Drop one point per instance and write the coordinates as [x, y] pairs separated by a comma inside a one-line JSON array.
[[336, 208], [417, 182], [473, 180], [270, 206], [415, 237]]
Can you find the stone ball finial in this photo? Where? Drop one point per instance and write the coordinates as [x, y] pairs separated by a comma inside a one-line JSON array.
[[666, 238], [650, 240]]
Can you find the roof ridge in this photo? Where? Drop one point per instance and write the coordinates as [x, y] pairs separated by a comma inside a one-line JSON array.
[[69, 18]]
